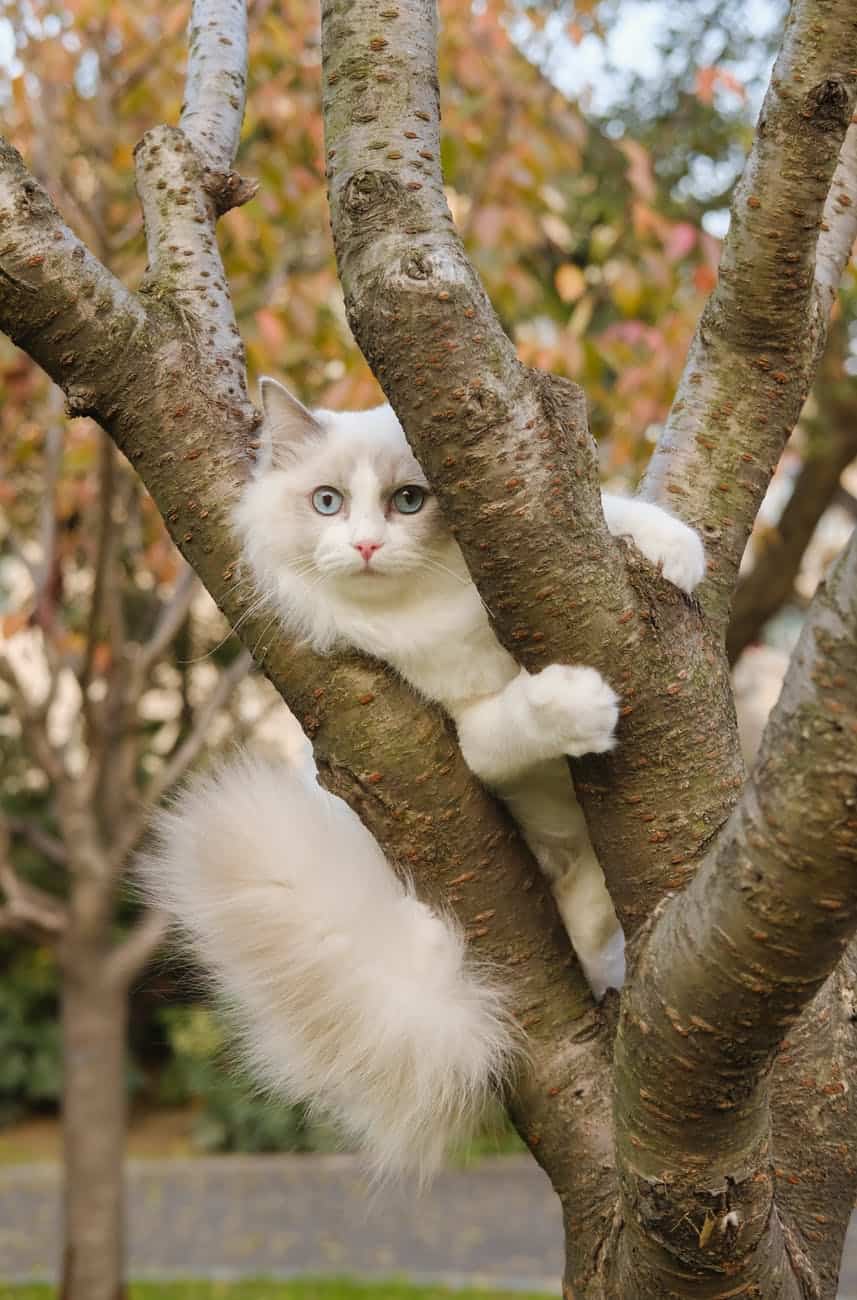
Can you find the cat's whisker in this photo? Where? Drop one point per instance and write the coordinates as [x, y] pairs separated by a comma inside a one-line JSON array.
[[252, 608], [428, 561], [263, 634], [433, 565]]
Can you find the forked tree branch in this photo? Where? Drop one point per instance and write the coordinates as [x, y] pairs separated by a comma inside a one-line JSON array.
[[32, 718], [511, 458], [749, 944], [163, 373], [471, 414], [166, 380]]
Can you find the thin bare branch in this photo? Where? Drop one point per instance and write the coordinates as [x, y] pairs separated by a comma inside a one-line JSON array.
[[138, 947], [101, 580], [27, 909], [181, 760], [32, 719], [41, 840], [45, 594], [172, 616]]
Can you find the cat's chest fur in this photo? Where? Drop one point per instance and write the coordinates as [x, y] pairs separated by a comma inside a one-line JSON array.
[[439, 640]]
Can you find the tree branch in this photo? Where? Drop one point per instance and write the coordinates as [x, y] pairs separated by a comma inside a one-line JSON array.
[[509, 454], [758, 342], [58, 302], [216, 83], [41, 840], [48, 577], [103, 551], [832, 445], [731, 965], [32, 719], [839, 221], [813, 1112], [171, 618], [137, 948], [179, 762], [27, 909]]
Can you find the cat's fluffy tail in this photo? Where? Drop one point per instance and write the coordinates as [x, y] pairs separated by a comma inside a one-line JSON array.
[[348, 993]]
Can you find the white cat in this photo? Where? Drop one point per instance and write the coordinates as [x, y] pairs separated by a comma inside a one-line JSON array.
[[346, 540], [350, 993]]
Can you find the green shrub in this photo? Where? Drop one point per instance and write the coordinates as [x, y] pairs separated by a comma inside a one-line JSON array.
[[30, 1058], [232, 1116]]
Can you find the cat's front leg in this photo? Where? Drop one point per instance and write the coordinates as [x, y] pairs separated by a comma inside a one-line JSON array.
[[560, 710], [665, 541]]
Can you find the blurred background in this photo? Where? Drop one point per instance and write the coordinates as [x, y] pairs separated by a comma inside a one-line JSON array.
[[589, 151]]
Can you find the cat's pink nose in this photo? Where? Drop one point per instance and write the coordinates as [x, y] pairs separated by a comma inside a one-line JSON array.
[[367, 549]]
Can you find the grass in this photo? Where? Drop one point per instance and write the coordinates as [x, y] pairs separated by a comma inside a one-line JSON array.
[[302, 1290]]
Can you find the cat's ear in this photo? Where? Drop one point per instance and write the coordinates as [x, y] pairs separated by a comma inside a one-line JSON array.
[[287, 424]]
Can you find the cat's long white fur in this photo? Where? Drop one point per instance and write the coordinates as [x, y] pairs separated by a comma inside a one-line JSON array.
[[414, 605], [347, 992]]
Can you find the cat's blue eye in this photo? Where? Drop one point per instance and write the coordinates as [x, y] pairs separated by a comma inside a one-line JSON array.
[[327, 501], [409, 499]]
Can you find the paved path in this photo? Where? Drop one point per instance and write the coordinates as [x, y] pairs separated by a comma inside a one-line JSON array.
[[243, 1216], [227, 1217]]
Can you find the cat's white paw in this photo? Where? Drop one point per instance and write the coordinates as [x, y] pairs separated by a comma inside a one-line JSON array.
[[673, 548], [576, 707], [606, 969]]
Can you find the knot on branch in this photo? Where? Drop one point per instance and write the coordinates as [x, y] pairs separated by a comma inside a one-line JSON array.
[[828, 105], [417, 265], [371, 194], [228, 190], [81, 401]]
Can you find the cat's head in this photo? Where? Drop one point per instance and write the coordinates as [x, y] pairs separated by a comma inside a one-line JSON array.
[[339, 500]]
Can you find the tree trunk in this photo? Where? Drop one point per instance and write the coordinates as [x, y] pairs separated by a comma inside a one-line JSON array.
[[94, 1015]]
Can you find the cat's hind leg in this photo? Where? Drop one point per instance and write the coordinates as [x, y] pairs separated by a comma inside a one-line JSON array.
[[545, 807]]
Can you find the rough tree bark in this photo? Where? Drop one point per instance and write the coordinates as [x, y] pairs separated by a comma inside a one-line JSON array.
[[713, 1176]]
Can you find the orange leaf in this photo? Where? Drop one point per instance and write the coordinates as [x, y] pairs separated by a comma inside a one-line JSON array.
[[570, 282], [704, 278], [14, 622]]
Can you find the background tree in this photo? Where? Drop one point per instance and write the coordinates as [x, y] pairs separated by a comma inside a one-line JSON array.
[[664, 1195], [101, 730]]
